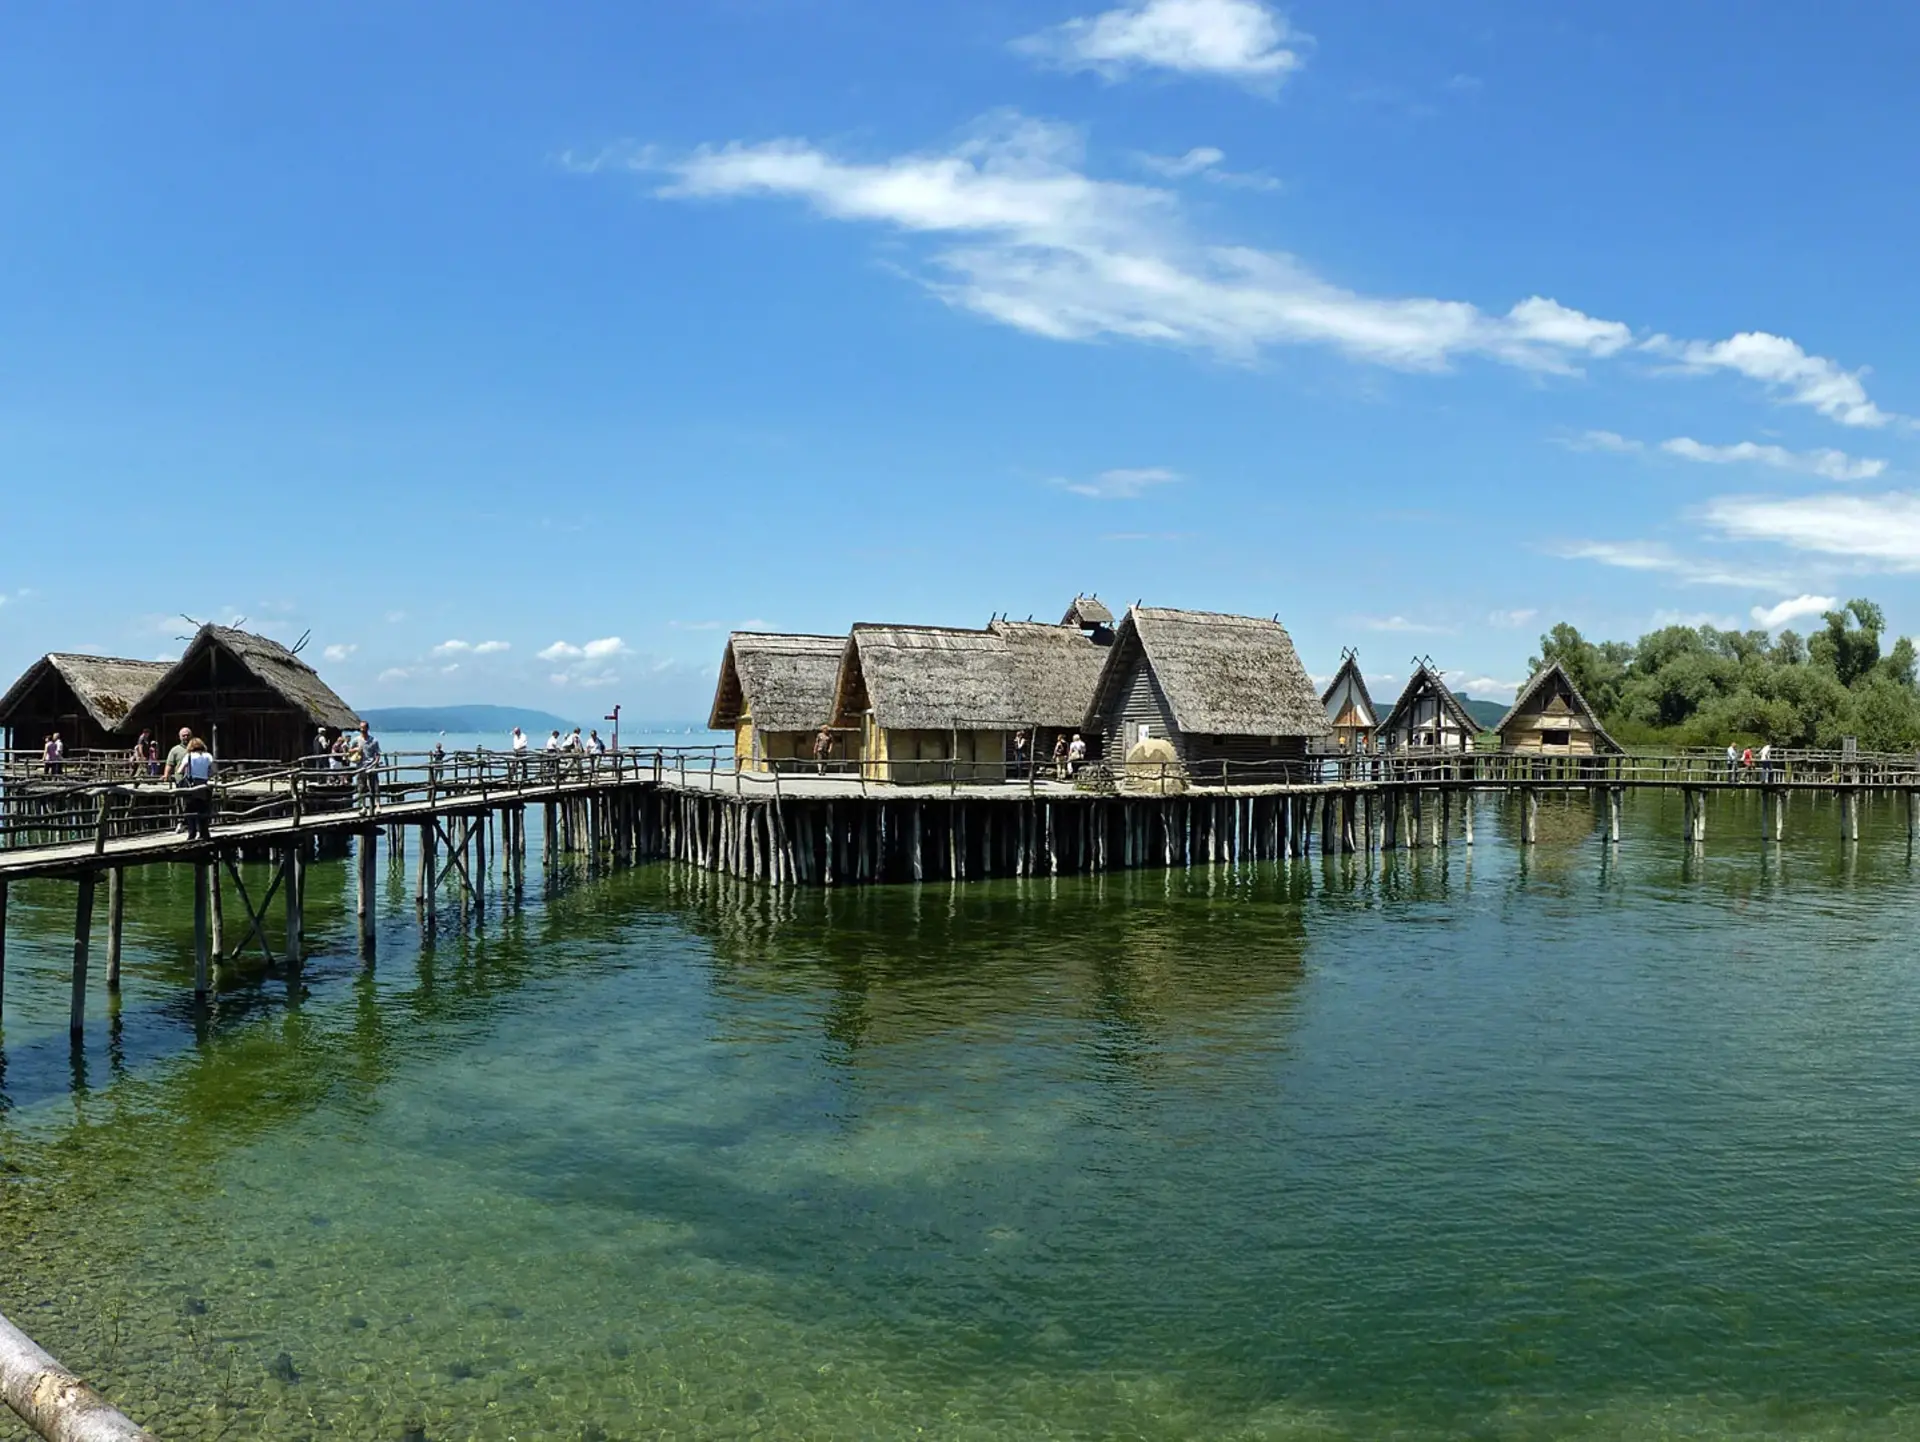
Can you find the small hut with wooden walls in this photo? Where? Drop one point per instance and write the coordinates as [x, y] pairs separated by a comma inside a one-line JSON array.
[[931, 703], [1350, 708], [1220, 695], [86, 699], [775, 693], [251, 698], [1549, 717], [1428, 716]]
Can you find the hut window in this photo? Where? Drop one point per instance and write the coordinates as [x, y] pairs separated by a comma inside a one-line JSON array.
[[1555, 738]]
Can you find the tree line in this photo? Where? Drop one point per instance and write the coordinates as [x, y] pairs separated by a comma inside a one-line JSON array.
[[1700, 686]]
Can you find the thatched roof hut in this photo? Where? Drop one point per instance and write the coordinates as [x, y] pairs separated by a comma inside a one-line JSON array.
[[1428, 715], [775, 692], [1550, 716], [87, 699], [250, 696], [1088, 613], [1350, 708], [1054, 670], [931, 701], [1220, 688]]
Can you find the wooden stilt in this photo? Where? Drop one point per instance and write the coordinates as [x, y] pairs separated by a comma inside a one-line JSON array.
[[116, 921], [217, 908], [82, 939], [201, 967], [367, 847], [3, 949], [294, 887]]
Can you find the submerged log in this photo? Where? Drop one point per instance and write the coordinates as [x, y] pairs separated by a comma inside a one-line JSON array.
[[52, 1400]]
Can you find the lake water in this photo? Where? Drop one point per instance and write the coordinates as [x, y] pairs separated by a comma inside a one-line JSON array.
[[1442, 1145]]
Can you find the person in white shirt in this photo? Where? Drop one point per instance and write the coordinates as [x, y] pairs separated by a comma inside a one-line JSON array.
[[1076, 753], [519, 762], [595, 746]]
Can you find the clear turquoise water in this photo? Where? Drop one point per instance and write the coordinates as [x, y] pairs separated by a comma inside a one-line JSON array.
[[1461, 1146]]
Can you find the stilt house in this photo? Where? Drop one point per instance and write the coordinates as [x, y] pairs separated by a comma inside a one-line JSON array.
[[775, 693], [251, 698], [1550, 717], [1220, 690], [87, 699], [1428, 717], [1090, 614], [1350, 708], [931, 703]]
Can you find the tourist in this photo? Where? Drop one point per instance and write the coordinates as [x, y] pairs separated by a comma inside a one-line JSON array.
[[553, 756], [176, 754], [517, 760], [822, 749], [1766, 763], [194, 780], [1019, 754], [1076, 753], [436, 758], [595, 746], [52, 754], [1733, 762], [138, 757], [1060, 757], [1746, 764], [369, 751], [153, 756], [342, 748], [322, 750]]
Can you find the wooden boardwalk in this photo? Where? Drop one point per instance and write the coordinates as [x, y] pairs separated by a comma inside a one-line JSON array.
[[468, 819]]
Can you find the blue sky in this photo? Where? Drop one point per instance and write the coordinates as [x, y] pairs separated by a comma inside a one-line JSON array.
[[518, 353]]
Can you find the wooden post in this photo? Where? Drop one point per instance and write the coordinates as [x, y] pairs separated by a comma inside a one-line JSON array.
[[294, 886], [116, 917], [217, 907], [82, 938], [368, 847], [200, 967]]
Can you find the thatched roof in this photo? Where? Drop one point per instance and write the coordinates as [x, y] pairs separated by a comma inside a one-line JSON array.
[[1055, 670], [1424, 680], [927, 678], [784, 682], [1349, 673], [1550, 672], [1224, 675], [1087, 612], [108, 687], [269, 663]]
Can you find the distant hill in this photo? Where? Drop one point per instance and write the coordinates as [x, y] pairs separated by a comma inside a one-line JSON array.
[[1485, 712], [477, 719]]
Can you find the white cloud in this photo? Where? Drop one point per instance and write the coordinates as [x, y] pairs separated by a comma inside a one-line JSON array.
[[452, 648], [1205, 162], [492, 648], [1775, 361], [1828, 464], [560, 651], [395, 673], [1654, 557], [1401, 623], [1043, 247], [339, 651], [1241, 40], [1883, 530], [559, 678], [1119, 485], [1487, 688], [1603, 441], [1772, 618], [604, 647], [1693, 620], [584, 664], [1509, 620], [449, 670]]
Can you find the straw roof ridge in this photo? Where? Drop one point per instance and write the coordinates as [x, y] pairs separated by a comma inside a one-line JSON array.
[[1426, 678], [784, 680], [1539, 679], [109, 687], [1222, 674], [1087, 611], [930, 678], [274, 667], [1351, 663]]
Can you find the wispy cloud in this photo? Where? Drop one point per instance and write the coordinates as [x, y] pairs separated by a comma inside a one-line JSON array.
[[1486, 688], [452, 648], [394, 618], [1693, 620], [1402, 624], [1119, 485], [394, 673], [1772, 618], [1027, 238], [1654, 557], [492, 648], [1785, 368], [1239, 40], [1511, 620], [339, 651], [1828, 464], [1881, 531], [1206, 162], [1603, 441]]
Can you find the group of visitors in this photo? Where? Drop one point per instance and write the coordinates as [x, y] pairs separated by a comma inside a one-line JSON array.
[[555, 747], [1069, 754], [53, 755], [1741, 763]]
